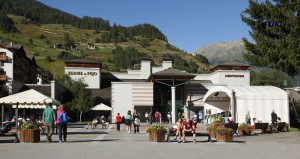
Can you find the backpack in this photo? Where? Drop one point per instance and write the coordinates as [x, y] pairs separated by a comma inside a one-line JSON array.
[[156, 115], [62, 118]]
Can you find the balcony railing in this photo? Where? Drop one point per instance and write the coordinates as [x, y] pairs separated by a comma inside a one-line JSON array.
[[2, 77], [3, 57]]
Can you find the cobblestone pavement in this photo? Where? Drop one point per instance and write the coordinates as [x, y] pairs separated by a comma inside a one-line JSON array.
[[108, 143]]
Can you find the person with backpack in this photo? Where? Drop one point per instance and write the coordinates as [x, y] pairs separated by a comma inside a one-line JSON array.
[[157, 117], [62, 123]]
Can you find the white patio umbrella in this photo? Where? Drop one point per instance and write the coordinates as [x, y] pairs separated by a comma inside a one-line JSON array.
[[28, 99], [101, 107]]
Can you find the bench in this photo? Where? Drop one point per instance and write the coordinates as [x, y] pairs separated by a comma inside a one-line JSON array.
[[262, 126], [234, 127], [172, 132]]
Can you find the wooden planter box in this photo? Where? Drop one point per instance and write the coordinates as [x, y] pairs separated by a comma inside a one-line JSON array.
[[31, 135], [244, 131], [221, 137], [157, 137], [212, 134]]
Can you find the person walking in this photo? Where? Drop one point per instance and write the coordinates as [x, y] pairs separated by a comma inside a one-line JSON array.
[[118, 121], [49, 120], [157, 116], [62, 123], [147, 117], [136, 124], [274, 121], [150, 118], [248, 118], [135, 115], [169, 117], [128, 120]]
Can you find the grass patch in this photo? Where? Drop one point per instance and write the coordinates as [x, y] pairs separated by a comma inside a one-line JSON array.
[[294, 129]]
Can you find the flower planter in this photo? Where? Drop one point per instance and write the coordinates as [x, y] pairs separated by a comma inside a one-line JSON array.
[[212, 134], [222, 137], [157, 137], [30, 135], [244, 131]]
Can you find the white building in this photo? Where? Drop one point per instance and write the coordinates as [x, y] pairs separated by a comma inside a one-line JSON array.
[[88, 71], [169, 90]]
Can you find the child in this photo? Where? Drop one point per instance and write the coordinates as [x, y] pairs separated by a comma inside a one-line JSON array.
[[136, 124]]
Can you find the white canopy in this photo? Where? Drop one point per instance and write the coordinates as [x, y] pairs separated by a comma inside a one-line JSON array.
[[29, 99], [101, 107], [259, 100]]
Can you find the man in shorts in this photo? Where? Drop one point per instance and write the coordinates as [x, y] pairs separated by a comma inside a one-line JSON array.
[[189, 127]]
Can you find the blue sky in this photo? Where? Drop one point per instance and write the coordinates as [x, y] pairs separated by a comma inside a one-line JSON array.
[[188, 24]]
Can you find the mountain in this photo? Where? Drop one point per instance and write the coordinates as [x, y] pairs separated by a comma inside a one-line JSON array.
[[54, 36], [219, 53]]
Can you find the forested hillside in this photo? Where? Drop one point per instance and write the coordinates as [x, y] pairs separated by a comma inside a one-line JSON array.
[[40, 13], [54, 36]]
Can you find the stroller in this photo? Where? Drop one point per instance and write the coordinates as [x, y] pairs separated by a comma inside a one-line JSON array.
[[170, 132], [5, 129]]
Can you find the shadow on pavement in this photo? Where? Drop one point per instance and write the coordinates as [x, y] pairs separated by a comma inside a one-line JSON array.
[[6, 141], [94, 132], [80, 141]]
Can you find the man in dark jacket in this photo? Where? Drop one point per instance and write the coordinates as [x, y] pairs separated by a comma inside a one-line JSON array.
[[274, 121]]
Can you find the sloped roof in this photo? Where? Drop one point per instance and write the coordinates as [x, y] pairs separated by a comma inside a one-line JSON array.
[[101, 107], [171, 73], [28, 99], [249, 92]]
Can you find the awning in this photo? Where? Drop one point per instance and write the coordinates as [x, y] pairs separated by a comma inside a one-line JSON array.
[[28, 99], [101, 107]]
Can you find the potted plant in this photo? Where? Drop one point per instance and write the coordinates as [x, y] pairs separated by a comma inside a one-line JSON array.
[[212, 129], [29, 133], [156, 133], [224, 134], [244, 129]]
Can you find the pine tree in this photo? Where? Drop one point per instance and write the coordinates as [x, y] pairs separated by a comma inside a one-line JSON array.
[[275, 28]]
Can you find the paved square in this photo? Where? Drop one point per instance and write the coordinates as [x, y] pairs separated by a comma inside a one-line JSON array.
[[108, 143]]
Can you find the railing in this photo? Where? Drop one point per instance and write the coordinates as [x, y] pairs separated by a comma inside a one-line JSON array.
[[2, 77], [3, 57]]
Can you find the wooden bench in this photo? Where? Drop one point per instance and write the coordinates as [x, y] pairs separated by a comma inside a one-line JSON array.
[[16, 139], [261, 126], [234, 127], [172, 132]]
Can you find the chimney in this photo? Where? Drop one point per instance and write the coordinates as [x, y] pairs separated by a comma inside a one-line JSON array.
[[11, 43], [146, 69], [167, 63]]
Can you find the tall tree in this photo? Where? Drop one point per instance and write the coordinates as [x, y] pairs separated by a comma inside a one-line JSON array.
[[79, 98], [275, 28]]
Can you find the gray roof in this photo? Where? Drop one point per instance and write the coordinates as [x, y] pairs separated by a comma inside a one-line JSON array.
[[44, 89], [14, 46], [172, 72]]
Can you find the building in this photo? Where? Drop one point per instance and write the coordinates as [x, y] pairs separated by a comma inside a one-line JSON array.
[[91, 46], [88, 71], [16, 66], [166, 89]]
